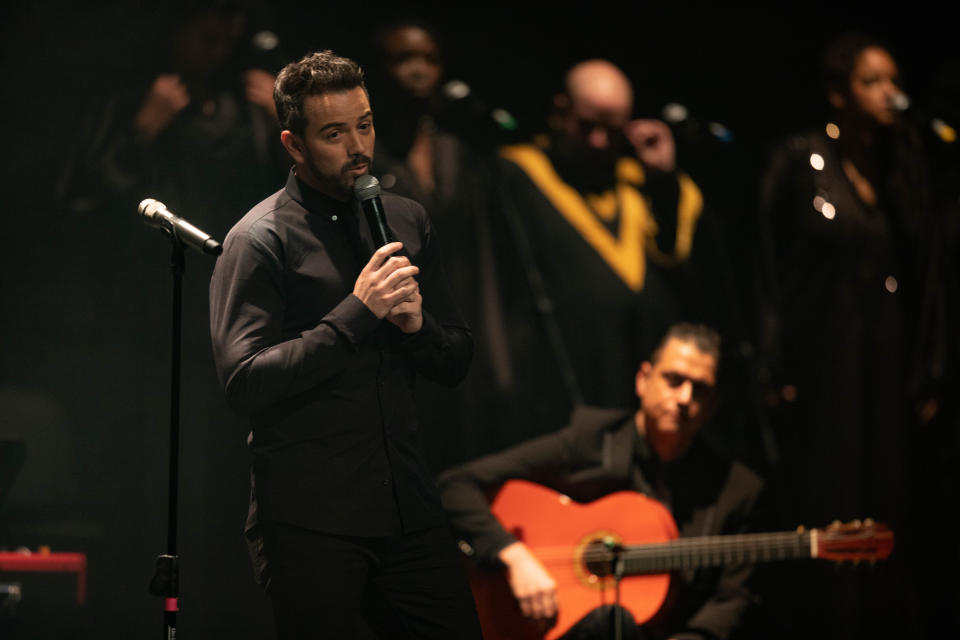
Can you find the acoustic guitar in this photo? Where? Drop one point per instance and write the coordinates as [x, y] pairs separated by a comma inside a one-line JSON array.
[[585, 545]]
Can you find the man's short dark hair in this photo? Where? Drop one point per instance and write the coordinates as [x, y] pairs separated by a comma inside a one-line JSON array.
[[701, 336], [313, 75]]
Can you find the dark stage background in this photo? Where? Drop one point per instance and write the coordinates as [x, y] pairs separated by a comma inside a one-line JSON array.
[[84, 326]]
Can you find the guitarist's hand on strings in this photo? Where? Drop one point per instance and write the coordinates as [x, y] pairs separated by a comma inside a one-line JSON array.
[[532, 585]]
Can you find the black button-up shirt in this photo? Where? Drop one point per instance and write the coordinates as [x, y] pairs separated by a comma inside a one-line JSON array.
[[327, 386]]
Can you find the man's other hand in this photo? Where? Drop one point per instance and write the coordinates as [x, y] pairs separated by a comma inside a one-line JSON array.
[[533, 586], [408, 314], [653, 142], [386, 280]]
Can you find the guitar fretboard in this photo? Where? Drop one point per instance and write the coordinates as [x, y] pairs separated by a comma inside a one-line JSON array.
[[714, 551]]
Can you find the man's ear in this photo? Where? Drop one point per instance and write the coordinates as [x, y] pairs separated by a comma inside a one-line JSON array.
[[294, 145], [837, 100], [643, 376]]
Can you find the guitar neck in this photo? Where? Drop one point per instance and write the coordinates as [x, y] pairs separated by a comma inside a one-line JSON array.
[[715, 551]]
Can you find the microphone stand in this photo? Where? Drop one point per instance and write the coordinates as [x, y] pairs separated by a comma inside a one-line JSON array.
[[618, 569], [166, 578]]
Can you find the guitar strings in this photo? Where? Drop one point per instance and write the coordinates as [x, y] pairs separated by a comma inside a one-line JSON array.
[[743, 546]]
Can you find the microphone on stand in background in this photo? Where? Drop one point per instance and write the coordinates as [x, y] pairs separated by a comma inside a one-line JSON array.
[[927, 119], [691, 129], [156, 215], [467, 112]]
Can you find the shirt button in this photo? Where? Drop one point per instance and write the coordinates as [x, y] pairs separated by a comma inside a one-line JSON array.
[[334, 218], [386, 482]]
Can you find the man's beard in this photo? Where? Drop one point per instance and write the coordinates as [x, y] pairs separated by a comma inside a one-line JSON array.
[[340, 185]]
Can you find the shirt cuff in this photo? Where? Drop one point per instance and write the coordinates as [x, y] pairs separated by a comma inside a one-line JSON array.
[[489, 547], [353, 319], [428, 334]]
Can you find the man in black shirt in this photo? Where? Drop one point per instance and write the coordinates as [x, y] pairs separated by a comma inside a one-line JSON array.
[[655, 450], [319, 344]]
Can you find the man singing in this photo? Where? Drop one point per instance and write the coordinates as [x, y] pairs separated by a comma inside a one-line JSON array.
[[318, 336]]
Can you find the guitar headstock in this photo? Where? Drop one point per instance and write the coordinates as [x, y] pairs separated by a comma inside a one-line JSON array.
[[855, 541]]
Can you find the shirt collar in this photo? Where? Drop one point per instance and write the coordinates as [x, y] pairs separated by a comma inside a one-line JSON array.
[[311, 199]]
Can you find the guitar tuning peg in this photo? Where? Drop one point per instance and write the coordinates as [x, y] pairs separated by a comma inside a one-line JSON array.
[[868, 522], [836, 523], [857, 523], [801, 529]]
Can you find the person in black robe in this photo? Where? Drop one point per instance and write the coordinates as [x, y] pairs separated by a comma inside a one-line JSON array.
[[848, 333]]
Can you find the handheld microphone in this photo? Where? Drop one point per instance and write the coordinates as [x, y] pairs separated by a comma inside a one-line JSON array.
[[367, 190], [156, 215], [899, 101]]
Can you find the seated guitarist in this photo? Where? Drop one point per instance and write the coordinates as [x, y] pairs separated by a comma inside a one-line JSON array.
[[654, 451]]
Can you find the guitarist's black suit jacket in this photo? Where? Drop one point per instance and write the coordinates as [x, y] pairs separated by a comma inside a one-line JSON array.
[[601, 452]]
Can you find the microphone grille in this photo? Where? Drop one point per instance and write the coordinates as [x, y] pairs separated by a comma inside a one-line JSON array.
[[148, 208], [900, 101], [456, 90], [366, 187]]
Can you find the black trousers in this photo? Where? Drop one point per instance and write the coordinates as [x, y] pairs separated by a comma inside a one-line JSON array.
[[329, 586]]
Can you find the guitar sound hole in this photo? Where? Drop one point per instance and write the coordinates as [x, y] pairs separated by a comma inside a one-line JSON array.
[[598, 559]]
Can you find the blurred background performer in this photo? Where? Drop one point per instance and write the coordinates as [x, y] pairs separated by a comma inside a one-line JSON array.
[[620, 240], [196, 125], [436, 148], [850, 333], [319, 344]]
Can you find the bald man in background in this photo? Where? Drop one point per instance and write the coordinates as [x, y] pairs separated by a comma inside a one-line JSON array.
[[606, 229]]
